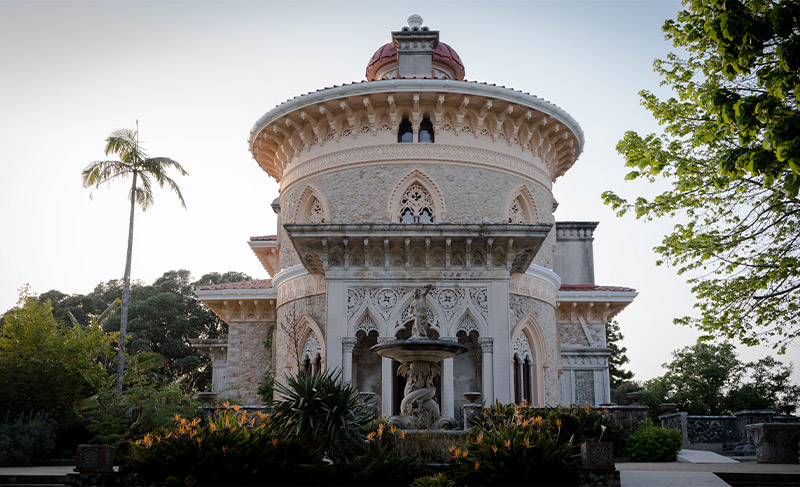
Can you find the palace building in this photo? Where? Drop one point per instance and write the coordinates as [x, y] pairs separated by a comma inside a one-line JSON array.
[[411, 178]]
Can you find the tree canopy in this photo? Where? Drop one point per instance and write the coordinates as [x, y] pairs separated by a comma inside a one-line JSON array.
[[46, 365], [730, 153], [163, 316], [617, 374], [708, 378]]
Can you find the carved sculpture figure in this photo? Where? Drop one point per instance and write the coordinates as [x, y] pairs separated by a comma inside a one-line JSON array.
[[420, 310]]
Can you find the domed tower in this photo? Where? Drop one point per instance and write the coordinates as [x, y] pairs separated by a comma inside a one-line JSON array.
[[417, 177]]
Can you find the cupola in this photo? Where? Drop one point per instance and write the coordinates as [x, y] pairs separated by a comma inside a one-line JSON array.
[[415, 53]]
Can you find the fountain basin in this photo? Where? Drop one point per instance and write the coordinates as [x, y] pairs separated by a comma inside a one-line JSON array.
[[419, 350]]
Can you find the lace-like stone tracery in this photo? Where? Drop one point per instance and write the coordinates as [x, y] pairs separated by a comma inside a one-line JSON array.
[[416, 205], [315, 212], [515, 213]]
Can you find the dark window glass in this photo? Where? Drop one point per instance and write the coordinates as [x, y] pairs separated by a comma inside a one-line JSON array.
[[426, 131], [405, 134]]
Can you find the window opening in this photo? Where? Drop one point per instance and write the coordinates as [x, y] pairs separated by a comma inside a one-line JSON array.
[[426, 131], [406, 133], [416, 205]]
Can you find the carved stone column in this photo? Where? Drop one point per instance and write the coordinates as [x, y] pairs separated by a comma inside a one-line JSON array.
[[348, 344], [448, 401], [387, 382], [487, 347]]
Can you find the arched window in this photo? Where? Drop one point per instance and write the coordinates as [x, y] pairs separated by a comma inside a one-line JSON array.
[[426, 131], [416, 205], [406, 133], [517, 380], [316, 214]]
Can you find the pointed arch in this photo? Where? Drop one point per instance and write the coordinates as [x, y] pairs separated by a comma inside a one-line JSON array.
[[529, 359], [312, 207], [521, 206], [313, 350], [417, 186], [402, 315]]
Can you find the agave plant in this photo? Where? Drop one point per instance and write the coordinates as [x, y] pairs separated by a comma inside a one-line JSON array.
[[323, 413]]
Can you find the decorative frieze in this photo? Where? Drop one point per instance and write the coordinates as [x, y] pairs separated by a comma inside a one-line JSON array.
[[402, 153], [449, 309], [300, 287]]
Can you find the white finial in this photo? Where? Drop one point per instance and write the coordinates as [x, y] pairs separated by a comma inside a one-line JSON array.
[[415, 21]]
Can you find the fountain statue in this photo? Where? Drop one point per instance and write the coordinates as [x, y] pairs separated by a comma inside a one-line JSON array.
[[420, 359]]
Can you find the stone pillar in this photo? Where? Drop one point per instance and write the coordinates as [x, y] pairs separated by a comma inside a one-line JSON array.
[[387, 382], [499, 327], [348, 344], [448, 403], [487, 347], [336, 324]]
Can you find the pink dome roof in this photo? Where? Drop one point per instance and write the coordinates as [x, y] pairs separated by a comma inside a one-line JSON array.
[[387, 53]]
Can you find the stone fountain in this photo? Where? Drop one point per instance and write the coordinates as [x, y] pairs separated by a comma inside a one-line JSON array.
[[420, 359]]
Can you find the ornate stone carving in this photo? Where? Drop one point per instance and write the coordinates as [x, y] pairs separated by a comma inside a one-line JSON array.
[[300, 287], [533, 287], [522, 347], [401, 153]]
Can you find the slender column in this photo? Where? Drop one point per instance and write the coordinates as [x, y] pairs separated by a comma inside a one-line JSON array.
[[487, 347], [387, 382], [448, 399], [348, 344]]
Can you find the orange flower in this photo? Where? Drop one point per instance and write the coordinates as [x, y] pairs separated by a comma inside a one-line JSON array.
[[527, 442], [457, 453], [371, 435], [477, 464], [224, 448], [403, 434], [480, 437], [177, 417], [393, 428], [451, 448], [236, 408], [464, 454], [494, 448], [212, 427], [558, 423], [507, 443], [227, 404], [274, 442], [199, 439]]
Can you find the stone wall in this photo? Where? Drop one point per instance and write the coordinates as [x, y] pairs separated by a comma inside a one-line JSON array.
[[544, 316], [467, 193], [248, 360], [293, 312]]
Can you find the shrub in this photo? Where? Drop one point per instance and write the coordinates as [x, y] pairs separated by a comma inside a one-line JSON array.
[[322, 413], [231, 448], [517, 451], [438, 480], [379, 461], [26, 438], [653, 444]]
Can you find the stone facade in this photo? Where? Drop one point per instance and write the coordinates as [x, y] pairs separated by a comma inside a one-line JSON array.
[[413, 178]]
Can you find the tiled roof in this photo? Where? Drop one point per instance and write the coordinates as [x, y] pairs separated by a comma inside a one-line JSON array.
[[254, 284], [264, 238], [592, 287]]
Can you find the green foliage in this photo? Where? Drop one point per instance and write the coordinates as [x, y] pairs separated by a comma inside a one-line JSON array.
[[143, 406], [46, 366], [653, 444], [710, 379], [321, 412], [517, 450], [437, 480], [378, 461], [231, 448], [730, 151], [26, 438], [618, 358], [164, 315]]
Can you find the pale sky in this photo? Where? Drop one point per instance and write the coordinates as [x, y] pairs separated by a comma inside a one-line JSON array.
[[197, 75]]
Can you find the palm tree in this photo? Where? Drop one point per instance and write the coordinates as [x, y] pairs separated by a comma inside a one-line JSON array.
[[133, 161]]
